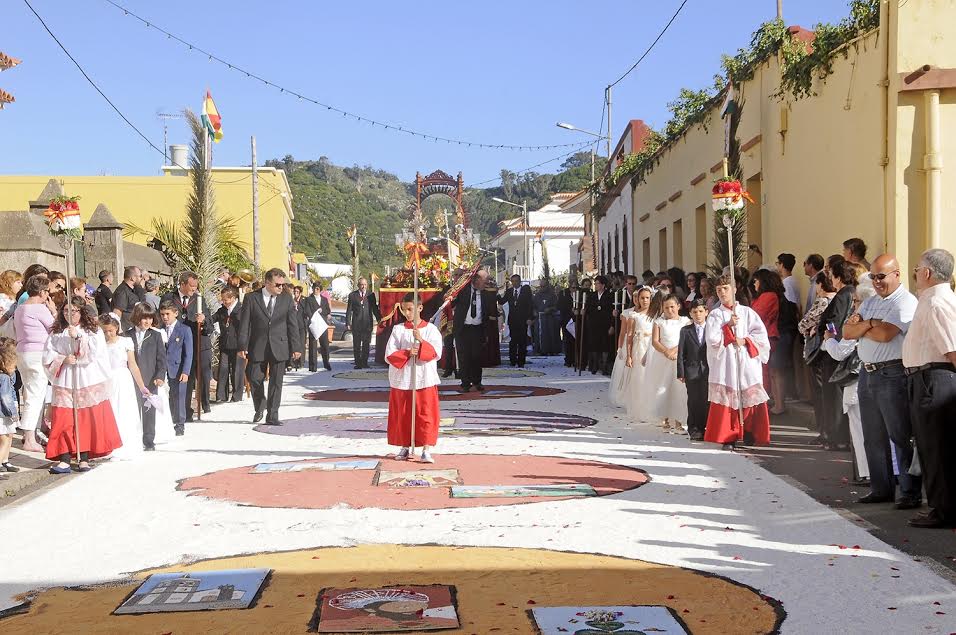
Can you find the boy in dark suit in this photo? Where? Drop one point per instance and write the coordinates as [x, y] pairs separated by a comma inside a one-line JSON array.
[[179, 360], [231, 367], [150, 355], [692, 369]]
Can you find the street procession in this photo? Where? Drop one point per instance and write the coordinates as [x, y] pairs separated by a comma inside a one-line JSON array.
[[276, 357]]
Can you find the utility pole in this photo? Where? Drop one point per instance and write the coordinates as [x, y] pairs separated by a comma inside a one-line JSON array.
[[256, 242], [780, 9], [527, 240], [607, 96], [353, 240]]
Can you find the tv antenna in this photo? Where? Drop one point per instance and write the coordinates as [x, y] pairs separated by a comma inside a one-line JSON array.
[[165, 117]]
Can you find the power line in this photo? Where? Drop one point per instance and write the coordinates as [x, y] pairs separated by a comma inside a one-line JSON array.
[[345, 113], [649, 48], [537, 165]]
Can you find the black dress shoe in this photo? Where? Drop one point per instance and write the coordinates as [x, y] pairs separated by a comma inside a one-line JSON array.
[[206, 410], [180, 431], [328, 367], [874, 498], [149, 448], [274, 422], [259, 415], [446, 374], [909, 503], [929, 520], [480, 388], [465, 387]]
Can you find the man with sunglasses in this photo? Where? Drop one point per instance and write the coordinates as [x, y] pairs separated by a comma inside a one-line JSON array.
[[880, 325], [929, 354], [269, 336]]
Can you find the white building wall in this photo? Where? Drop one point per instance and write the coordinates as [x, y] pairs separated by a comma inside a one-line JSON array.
[[619, 209]]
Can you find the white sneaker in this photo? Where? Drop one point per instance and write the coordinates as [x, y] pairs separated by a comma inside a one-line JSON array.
[[427, 457], [402, 455]]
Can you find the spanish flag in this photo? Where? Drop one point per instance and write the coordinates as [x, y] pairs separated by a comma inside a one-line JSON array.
[[211, 119]]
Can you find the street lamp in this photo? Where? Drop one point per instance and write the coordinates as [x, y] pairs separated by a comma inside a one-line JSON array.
[[524, 213]]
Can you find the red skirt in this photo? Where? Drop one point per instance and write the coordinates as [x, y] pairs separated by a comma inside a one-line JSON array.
[[98, 432], [427, 417], [723, 424]]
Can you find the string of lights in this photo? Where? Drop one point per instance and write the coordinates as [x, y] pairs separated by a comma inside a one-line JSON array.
[[329, 107]]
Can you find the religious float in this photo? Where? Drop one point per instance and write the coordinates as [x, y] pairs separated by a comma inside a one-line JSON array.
[[444, 263]]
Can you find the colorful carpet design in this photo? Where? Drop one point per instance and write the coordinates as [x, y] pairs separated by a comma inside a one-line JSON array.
[[495, 590], [359, 489], [379, 394], [455, 422], [375, 374]]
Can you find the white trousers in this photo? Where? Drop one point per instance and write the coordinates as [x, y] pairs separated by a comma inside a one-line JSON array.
[[35, 382]]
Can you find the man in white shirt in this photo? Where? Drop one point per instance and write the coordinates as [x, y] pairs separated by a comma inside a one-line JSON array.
[[929, 356], [880, 326], [791, 290]]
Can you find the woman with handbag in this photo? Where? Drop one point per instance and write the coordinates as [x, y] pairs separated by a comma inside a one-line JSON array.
[[846, 375], [812, 340], [834, 424]]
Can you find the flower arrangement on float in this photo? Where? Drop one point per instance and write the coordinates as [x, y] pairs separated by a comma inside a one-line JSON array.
[[63, 217], [433, 273], [729, 195]]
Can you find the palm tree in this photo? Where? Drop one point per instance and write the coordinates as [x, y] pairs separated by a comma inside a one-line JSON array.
[[204, 242]]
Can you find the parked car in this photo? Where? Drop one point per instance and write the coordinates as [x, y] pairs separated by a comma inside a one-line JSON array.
[[338, 321]]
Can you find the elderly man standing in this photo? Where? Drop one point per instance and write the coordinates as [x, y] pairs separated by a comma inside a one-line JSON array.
[[361, 318], [474, 307], [880, 326], [929, 355]]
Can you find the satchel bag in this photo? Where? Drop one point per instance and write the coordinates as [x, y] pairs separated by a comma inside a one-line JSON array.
[[811, 349], [847, 371]]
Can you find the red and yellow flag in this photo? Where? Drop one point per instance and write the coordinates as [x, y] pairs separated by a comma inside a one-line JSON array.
[[211, 119]]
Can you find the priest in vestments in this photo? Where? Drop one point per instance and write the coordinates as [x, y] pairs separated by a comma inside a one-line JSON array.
[[737, 349], [413, 347]]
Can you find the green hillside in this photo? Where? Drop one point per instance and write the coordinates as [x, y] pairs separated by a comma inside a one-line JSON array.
[[327, 199]]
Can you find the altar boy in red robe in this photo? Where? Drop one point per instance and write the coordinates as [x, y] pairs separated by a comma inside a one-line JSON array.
[[414, 347]]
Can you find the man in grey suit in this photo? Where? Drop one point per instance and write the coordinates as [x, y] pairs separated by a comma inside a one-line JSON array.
[[269, 335]]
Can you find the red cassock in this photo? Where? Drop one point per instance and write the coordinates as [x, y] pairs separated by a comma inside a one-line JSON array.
[[723, 422], [98, 433], [427, 411]]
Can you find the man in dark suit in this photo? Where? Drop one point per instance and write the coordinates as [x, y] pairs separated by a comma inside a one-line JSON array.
[[361, 317], [126, 296], [474, 308], [104, 295], [269, 335], [599, 327], [187, 299], [692, 369], [150, 353], [179, 359], [313, 303], [520, 307], [231, 367]]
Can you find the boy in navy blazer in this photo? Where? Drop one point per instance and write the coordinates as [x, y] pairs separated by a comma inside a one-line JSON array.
[[179, 361], [692, 369]]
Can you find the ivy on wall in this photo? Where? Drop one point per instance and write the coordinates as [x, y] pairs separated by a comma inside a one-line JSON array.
[[801, 64]]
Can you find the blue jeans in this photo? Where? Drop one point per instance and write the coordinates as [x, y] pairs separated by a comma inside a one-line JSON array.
[[885, 410]]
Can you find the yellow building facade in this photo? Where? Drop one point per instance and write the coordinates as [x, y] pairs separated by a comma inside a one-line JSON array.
[[139, 199], [856, 160]]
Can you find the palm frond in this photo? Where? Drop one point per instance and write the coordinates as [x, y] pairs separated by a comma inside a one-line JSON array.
[[201, 228]]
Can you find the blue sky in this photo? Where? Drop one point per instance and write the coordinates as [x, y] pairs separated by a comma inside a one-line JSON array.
[[491, 71]]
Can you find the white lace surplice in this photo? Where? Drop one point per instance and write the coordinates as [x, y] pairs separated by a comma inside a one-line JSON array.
[[722, 382]]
